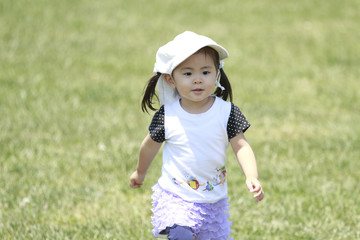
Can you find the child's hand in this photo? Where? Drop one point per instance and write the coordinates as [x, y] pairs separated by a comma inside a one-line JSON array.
[[136, 180], [254, 186]]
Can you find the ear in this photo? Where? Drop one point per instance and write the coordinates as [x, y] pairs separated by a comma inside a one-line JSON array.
[[169, 80]]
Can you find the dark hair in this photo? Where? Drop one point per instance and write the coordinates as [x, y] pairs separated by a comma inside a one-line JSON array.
[[150, 90], [150, 93]]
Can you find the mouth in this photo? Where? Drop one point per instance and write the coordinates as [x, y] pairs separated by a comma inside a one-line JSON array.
[[198, 90]]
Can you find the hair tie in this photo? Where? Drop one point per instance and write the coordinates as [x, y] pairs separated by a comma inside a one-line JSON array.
[[221, 64], [217, 82]]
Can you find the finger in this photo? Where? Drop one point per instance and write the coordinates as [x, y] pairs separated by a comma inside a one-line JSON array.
[[250, 186], [134, 184], [259, 196], [256, 187]]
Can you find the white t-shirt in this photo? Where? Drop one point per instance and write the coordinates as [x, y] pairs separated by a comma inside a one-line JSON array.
[[194, 153]]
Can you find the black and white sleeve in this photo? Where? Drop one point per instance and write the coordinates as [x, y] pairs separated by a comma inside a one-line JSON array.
[[237, 122], [157, 128]]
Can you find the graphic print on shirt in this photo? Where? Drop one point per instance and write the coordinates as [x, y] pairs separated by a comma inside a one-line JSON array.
[[192, 182], [222, 175], [209, 186], [177, 182]]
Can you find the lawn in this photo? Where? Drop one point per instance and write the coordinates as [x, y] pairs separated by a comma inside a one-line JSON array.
[[72, 74]]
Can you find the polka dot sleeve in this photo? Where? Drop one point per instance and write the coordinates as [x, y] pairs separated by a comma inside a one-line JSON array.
[[237, 122], [156, 128]]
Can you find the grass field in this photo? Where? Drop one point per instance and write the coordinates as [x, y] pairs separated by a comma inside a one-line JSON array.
[[71, 78]]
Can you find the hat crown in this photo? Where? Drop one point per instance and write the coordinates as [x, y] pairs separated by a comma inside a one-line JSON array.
[[169, 56]]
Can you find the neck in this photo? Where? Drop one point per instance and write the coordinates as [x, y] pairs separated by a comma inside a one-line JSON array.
[[197, 107]]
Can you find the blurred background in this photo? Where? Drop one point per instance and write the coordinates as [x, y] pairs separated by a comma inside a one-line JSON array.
[[72, 75]]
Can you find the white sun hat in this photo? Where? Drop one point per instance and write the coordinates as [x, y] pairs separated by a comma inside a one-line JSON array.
[[169, 56]]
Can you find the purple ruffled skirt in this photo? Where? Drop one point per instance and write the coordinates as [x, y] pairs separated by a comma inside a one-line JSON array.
[[209, 221]]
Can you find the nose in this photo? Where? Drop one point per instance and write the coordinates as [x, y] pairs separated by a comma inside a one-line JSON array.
[[197, 79]]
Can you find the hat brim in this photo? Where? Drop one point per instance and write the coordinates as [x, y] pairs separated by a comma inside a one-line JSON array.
[[182, 57]]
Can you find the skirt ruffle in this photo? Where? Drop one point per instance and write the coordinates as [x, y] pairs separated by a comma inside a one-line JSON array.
[[209, 221]]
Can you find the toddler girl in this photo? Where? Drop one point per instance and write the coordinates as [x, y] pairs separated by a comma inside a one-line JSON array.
[[196, 124]]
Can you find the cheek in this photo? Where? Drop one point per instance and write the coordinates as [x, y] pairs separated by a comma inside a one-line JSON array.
[[181, 81], [182, 84], [211, 79]]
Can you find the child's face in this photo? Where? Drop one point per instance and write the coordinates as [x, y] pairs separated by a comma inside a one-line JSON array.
[[194, 78]]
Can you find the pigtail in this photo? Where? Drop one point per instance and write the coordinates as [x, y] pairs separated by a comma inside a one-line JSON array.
[[149, 93], [224, 81]]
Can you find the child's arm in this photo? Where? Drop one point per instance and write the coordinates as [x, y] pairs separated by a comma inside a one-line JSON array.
[[148, 150], [246, 158]]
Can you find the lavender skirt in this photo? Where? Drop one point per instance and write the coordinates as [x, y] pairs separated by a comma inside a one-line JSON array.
[[209, 221]]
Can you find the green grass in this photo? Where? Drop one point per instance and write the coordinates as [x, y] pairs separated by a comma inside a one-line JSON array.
[[71, 78]]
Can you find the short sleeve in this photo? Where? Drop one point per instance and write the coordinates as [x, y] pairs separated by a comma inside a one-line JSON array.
[[237, 122], [156, 128]]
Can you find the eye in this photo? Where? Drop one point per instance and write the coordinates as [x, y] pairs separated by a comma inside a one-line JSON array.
[[206, 72], [187, 74]]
